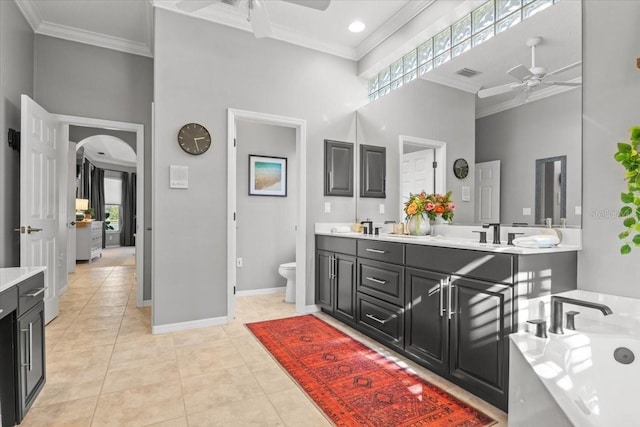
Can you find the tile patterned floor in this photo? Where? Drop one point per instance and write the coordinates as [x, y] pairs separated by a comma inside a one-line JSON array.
[[105, 368]]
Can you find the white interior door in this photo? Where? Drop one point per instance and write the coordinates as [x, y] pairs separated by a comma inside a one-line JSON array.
[[487, 191], [42, 162], [417, 173], [71, 208]]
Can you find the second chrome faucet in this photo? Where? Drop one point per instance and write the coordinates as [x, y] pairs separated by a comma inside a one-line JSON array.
[[556, 310]]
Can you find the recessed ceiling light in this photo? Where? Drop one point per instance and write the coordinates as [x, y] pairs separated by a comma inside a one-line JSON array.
[[356, 27]]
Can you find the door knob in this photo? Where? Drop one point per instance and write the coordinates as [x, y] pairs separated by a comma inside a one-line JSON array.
[[72, 223], [19, 230], [33, 230]]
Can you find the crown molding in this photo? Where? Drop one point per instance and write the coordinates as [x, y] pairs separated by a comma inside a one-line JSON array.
[[393, 24], [516, 102], [452, 82], [95, 39], [30, 13]]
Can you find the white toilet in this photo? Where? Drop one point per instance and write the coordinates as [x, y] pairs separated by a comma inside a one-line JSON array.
[[288, 271]]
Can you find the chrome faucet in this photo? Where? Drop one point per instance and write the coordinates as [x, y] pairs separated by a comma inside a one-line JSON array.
[[556, 311], [496, 232], [368, 226]]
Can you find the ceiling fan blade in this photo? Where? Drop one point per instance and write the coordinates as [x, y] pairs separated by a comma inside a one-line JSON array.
[[520, 73], [571, 84], [568, 67], [194, 5], [314, 4], [259, 18], [498, 90]]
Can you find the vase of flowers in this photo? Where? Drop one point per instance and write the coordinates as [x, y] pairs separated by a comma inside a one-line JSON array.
[[435, 207]]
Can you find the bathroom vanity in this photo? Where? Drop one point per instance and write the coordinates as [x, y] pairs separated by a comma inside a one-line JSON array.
[[22, 349], [446, 304]]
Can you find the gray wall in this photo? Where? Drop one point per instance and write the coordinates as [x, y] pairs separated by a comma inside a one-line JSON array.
[[425, 110], [266, 235], [88, 81], [611, 88], [517, 137], [16, 78], [234, 70]]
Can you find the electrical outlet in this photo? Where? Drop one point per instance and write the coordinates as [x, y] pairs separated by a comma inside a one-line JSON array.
[[327, 207], [238, 262], [381, 208], [526, 211]]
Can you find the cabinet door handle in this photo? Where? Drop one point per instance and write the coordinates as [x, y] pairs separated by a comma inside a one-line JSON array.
[[332, 266], [372, 317], [36, 293], [450, 297], [377, 251], [378, 281], [330, 180], [29, 363], [442, 309]]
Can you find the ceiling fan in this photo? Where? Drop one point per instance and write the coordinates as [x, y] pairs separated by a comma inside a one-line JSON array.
[[257, 13], [529, 78]]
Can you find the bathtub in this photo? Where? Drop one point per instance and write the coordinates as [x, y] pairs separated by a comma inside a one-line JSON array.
[[573, 379]]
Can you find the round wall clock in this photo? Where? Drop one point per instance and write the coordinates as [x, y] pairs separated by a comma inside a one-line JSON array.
[[460, 168], [194, 138]]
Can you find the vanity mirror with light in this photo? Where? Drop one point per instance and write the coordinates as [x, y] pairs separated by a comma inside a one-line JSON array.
[[513, 129]]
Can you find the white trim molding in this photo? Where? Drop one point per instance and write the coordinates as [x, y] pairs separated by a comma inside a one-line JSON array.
[[264, 291], [184, 326], [300, 126]]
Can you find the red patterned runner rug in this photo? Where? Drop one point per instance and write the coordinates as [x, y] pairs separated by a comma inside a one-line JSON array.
[[355, 385]]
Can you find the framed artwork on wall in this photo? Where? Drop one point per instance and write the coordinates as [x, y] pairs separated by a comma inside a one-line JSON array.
[[267, 176]]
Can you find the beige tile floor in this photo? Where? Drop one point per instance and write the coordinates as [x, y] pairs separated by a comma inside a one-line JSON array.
[[105, 368]]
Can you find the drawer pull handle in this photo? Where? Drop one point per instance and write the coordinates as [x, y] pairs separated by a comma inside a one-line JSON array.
[[377, 251], [372, 317], [36, 293], [378, 281]]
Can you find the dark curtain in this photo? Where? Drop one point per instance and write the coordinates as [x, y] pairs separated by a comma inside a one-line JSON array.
[[96, 201], [128, 209], [86, 170]]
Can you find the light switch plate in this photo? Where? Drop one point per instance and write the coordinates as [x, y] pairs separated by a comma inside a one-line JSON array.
[[466, 194], [327, 207], [381, 208], [578, 210], [526, 211], [178, 176]]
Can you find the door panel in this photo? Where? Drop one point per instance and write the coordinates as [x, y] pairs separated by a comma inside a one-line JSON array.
[[345, 286], [427, 324], [487, 191], [323, 279], [42, 162]]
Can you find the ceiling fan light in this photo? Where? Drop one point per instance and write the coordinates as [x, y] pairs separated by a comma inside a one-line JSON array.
[[356, 27]]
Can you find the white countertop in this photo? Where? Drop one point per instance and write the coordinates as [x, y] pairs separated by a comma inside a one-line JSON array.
[[13, 275], [451, 242]]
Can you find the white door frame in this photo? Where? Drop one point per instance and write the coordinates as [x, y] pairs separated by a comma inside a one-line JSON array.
[[440, 156], [300, 126], [140, 230]]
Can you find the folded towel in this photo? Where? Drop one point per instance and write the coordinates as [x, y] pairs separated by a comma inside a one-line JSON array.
[[537, 241], [341, 229]]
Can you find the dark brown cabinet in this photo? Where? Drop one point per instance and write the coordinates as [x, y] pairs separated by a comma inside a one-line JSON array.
[[31, 357], [336, 277], [373, 171], [338, 168], [426, 318]]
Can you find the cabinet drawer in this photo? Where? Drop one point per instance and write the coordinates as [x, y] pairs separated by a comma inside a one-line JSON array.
[[30, 292], [382, 320], [381, 251], [8, 301], [480, 265], [381, 280], [344, 245]]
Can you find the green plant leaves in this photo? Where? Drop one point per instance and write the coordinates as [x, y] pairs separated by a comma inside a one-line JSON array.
[[624, 235], [623, 147], [636, 239], [629, 222], [626, 211], [627, 197], [627, 155], [625, 249]]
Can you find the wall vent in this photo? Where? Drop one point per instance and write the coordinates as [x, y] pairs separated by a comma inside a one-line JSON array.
[[467, 72]]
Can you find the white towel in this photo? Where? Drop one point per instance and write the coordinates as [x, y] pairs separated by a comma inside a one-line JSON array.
[[537, 241]]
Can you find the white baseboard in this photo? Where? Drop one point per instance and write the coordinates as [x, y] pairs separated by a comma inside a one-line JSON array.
[[314, 308], [63, 290], [147, 303], [193, 324], [263, 291]]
